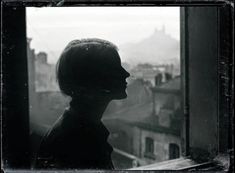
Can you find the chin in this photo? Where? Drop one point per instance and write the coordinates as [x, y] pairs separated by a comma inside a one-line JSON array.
[[120, 95]]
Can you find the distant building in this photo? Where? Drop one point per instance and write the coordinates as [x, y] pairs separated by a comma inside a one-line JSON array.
[[151, 131], [41, 74], [148, 72], [31, 66], [45, 79], [136, 86]]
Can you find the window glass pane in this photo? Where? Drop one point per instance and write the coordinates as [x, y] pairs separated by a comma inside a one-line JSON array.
[[147, 126]]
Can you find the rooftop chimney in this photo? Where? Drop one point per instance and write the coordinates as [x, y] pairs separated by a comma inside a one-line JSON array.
[[168, 76], [158, 79]]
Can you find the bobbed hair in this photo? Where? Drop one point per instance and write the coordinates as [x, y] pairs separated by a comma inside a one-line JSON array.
[[81, 61]]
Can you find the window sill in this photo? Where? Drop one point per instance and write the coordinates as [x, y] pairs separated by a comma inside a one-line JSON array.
[[167, 165], [183, 163], [150, 156]]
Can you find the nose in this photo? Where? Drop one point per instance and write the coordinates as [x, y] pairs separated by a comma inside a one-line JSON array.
[[125, 73]]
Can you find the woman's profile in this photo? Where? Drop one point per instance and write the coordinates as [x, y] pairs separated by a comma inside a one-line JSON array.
[[90, 72]]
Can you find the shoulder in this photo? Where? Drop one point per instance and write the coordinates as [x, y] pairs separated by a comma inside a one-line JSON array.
[[68, 133]]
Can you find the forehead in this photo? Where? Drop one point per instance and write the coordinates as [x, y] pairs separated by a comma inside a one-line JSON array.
[[110, 64], [112, 58]]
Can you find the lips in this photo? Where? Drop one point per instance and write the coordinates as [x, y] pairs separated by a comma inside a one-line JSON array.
[[124, 84], [115, 84], [121, 85]]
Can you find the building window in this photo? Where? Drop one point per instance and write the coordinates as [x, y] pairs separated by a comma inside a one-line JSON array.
[[174, 151], [149, 148]]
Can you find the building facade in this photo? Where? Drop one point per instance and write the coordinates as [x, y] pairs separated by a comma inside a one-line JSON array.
[[151, 132]]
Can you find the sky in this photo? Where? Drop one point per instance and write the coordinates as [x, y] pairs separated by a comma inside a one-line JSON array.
[[51, 28]]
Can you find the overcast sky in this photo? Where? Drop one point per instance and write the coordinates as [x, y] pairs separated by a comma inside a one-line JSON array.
[[51, 28]]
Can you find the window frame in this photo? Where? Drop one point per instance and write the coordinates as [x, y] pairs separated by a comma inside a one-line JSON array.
[[224, 59], [18, 157]]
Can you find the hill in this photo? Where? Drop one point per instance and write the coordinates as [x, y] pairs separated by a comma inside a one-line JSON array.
[[158, 48]]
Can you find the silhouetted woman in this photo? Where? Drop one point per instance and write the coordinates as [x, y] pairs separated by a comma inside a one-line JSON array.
[[90, 72]]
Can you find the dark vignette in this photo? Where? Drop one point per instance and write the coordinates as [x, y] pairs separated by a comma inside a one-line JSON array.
[[14, 79]]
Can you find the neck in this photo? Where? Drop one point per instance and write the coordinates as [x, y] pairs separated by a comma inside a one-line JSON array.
[[89, 108]]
